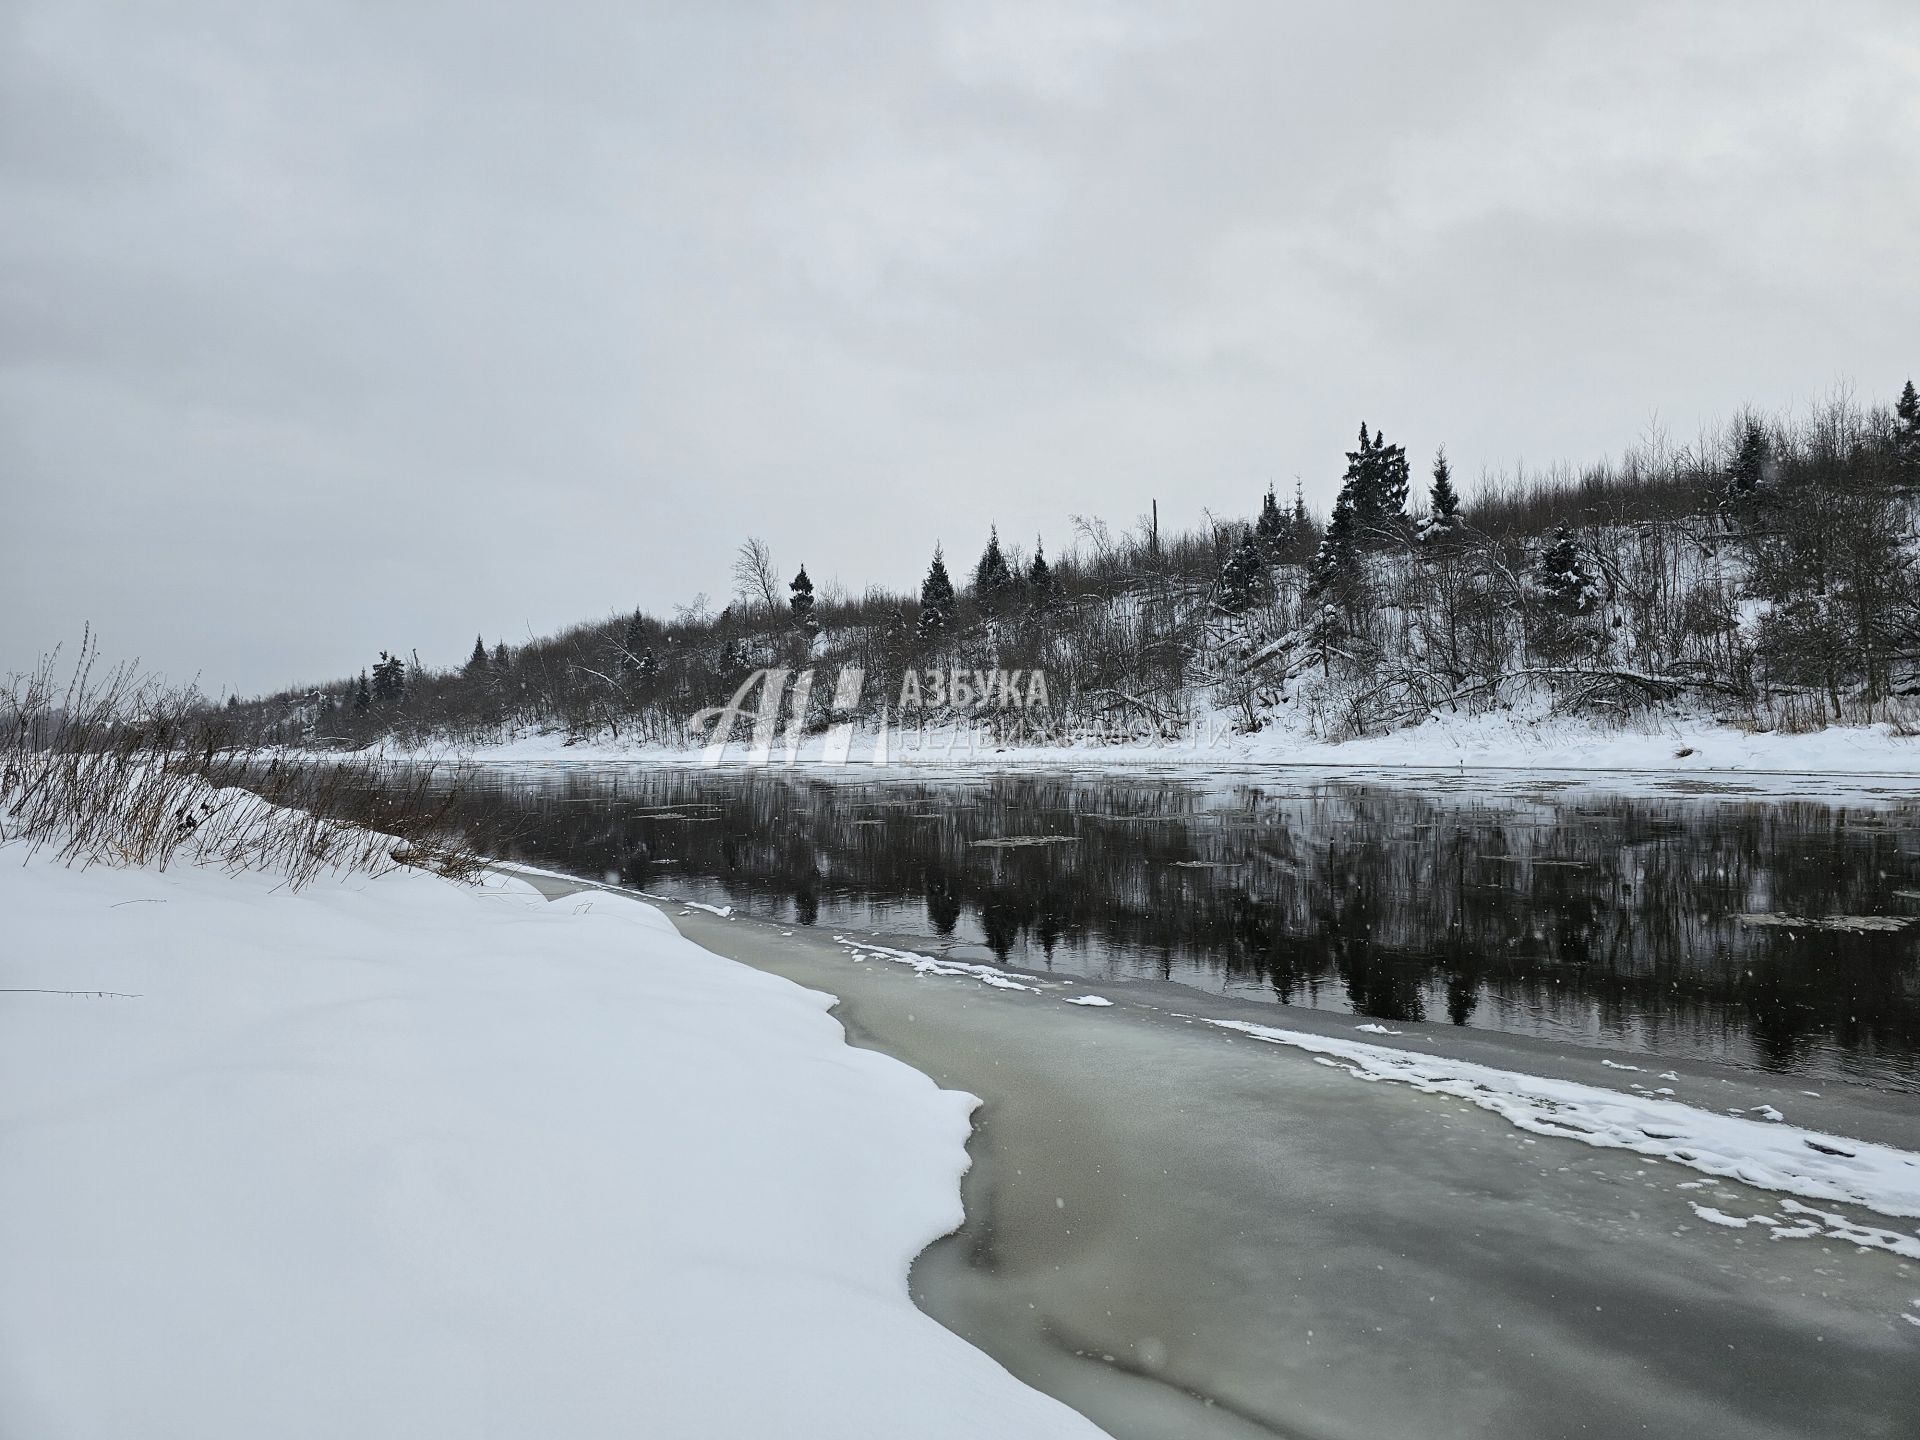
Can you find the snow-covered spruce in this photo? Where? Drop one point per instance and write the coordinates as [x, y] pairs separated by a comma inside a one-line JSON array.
[[395, 1158]]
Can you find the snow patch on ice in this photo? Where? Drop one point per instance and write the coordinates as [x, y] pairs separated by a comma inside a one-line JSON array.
[[1815, 1225], [934, 965], [1839, 1227], [1732, 1222], [1764, 1154], [1090, 1000]]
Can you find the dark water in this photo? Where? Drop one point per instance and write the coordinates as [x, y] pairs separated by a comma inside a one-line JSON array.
[[1614, 920]]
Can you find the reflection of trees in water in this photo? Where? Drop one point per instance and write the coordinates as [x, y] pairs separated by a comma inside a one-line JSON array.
[[1598, 915], [943, 901]]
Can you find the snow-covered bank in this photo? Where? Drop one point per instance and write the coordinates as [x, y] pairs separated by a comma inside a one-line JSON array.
[[393, 1157], [1665, 747]]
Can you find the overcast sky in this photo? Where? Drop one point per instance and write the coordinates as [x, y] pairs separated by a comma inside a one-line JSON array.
[[332, 327]]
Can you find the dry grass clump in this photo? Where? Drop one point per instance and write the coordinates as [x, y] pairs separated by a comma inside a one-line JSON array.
[[112, 767]]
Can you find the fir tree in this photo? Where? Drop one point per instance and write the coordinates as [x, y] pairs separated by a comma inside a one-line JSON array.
[[362, 695], [477, 661], [1039, 577], [501, 656], [1443, 504], [648, 667], [991, 576], [802, 602], [1243, 576], [1302, 526]]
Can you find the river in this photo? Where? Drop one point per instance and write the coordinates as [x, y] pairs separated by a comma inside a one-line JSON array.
[[1776, 935]]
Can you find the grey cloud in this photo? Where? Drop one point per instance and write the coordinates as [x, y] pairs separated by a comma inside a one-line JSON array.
[[325, 328]]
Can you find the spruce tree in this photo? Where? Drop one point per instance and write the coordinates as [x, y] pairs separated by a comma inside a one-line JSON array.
[[802, 602], [1377, 475], [1443, 504], [1243, 577], [991, 576], [1039, 577], [1302, 523], [1562, 576], [362, 695], [1333, 582], [633, 642], [1273, 531], [1747, 467], [1906, 435], [501, 656], [1562, 630], [477, 661], [1337, 561], [389, 679], [936, 598]]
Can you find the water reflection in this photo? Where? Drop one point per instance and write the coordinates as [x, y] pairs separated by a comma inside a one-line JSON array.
[[1592, 918]]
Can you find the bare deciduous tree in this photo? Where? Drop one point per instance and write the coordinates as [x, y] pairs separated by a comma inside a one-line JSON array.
[[755, 580]]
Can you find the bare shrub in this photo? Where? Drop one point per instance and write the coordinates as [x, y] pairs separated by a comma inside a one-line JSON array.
[[111, 767]]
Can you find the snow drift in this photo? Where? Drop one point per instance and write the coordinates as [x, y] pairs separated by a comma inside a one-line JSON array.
[[397, 1158]]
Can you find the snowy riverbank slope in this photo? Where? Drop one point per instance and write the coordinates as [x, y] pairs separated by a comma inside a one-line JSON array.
[[394, 1158], [1654, 746]]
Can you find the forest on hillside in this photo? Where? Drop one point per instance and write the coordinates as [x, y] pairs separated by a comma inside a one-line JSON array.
[[1764, 574]]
